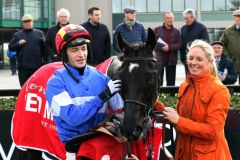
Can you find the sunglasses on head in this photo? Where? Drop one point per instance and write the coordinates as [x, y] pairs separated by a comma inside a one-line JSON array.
[[71, 33]]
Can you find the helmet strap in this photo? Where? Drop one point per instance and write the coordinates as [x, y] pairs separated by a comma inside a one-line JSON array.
[[90, 55], [65, 60], [64, 55]]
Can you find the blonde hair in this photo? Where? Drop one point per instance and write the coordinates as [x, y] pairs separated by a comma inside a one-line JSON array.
[[208, 50]]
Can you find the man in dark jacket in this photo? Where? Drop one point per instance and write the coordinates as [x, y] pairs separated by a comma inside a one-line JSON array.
[[63, 16], [131, 30], [101, 41], [29, 44], [168, 43], [226, 69], [191, 31]]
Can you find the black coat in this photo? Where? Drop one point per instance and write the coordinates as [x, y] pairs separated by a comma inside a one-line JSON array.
[[100, 44], [226, 63], [30, 55], [190, 33], [50, 44]]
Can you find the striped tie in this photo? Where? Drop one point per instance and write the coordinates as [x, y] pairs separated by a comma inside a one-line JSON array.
[[217, 63]]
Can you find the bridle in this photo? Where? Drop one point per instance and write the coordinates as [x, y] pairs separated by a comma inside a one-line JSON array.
[[148, 108], [149, 113]]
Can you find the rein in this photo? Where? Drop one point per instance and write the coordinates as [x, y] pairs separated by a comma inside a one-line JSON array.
[[163, 139]]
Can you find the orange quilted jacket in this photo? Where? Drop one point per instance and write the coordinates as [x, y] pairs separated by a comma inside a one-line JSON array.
[[203, 103]]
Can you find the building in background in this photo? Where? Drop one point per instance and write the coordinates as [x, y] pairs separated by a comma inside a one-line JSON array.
[[214, 14]]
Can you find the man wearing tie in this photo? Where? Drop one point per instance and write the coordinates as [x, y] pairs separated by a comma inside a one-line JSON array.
[[226, 69]]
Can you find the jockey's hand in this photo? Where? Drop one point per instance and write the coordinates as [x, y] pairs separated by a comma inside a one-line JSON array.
[[113, 86]]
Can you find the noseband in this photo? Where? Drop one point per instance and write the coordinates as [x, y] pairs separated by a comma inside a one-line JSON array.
[[148, 113]]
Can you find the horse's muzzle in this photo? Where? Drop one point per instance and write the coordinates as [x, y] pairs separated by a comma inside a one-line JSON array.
[[134, 135]]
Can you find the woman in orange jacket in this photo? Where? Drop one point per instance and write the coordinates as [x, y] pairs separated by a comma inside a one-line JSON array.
[[202, 107]]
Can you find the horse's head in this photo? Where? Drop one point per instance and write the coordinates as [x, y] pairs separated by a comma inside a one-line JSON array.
[[138, 73]]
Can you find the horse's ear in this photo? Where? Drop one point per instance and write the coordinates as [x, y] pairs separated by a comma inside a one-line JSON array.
[[151, 40], [122, 44]]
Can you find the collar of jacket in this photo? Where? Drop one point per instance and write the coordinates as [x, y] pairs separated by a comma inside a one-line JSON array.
[[59, 27], [75, 71], [223, 56], [90, 23], [166, 27], [237, 27], [27, 30], [205, 82], [189, 27]]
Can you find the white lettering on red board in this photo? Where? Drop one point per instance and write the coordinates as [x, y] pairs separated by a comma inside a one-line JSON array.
[[34, 103]]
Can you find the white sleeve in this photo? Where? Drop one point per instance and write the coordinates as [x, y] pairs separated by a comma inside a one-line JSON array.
[[116, 102]]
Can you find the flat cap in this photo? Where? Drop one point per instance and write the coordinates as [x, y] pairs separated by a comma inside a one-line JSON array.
[[27, 17], [217, 42], [236, 13], [129, 9]]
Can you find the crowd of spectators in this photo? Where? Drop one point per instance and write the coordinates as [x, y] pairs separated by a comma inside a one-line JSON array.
[[170, 41]]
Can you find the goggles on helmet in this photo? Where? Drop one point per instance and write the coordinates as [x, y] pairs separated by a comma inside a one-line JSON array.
[[77, 41]]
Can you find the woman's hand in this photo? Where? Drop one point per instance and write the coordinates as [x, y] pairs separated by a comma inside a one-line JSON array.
[[171, 115]]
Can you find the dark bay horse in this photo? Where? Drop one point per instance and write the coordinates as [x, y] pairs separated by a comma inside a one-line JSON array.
[[137, 69]]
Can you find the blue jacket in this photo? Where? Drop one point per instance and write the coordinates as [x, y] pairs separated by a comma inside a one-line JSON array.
[[76, 107], [138, 34], [190, 33]]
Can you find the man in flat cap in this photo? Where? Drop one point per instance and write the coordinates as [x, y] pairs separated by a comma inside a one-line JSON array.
[[130, 29], [29, 45], [226, 69], [231, 41]]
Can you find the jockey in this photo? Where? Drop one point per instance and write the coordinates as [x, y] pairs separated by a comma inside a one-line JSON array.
[[78, 94]]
